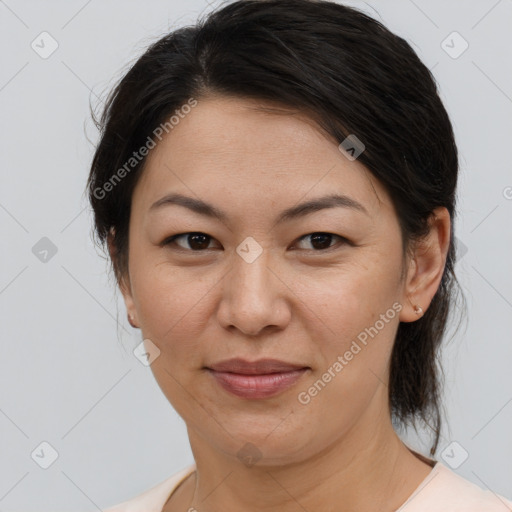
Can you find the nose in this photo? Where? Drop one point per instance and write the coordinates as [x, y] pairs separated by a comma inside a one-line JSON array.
[[254, 297]]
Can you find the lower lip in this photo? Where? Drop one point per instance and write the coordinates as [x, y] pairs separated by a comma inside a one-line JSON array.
[[257, 386]]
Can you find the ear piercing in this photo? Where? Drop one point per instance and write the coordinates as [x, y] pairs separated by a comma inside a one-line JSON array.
[[418, 309]]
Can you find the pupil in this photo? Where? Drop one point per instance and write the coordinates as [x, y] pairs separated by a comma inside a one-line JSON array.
[[326, 238], [193, 241]]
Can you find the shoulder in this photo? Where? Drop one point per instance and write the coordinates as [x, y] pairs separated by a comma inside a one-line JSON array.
[[444, 490], [153, 499]]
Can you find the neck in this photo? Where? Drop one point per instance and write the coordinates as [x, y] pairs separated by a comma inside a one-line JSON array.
[[365, 468]]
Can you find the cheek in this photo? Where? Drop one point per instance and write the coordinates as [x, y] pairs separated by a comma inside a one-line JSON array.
[[354, 345], [356, 314], [348, 299], [173, 308]]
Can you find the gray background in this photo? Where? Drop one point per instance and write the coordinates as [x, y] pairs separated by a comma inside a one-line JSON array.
[[67, 373]]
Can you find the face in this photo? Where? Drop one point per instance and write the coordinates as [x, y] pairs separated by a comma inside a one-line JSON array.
[[320, 288]]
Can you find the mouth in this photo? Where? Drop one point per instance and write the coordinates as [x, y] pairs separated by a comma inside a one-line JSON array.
[[256, 380]]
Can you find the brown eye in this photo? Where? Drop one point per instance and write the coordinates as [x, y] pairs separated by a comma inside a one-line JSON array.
[[196, 241], [322, 241]]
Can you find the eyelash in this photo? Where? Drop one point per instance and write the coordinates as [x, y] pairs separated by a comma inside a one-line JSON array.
[[171, 241]]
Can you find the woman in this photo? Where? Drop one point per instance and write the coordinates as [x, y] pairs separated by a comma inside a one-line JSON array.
[[276, 187]]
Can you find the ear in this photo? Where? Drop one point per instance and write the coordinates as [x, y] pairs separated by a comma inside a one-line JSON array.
[[123, 281], [426, 266]]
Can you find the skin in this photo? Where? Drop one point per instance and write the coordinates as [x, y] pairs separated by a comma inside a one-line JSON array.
[[294, 302]]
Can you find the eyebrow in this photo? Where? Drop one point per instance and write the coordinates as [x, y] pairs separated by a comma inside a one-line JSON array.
[[301, 210]]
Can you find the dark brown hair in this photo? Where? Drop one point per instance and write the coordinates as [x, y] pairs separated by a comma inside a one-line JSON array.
[[348, 73]]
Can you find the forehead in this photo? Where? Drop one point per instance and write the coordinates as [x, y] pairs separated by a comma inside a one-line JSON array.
[[254, 151]]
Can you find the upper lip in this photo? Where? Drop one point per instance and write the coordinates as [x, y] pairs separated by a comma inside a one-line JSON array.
[[259, 367]]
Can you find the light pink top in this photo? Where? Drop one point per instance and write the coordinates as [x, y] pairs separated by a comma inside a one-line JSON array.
[[441, 491]]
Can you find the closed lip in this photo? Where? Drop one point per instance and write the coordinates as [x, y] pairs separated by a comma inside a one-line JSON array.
[[259, 367]]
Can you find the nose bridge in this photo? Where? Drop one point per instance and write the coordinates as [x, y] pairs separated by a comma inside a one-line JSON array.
[[250, 294], [250, 273]]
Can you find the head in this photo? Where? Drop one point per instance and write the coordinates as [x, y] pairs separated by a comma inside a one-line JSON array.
[[240, 118]]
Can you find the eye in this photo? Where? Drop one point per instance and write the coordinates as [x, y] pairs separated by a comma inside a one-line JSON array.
[[322, 241], [197, 241]]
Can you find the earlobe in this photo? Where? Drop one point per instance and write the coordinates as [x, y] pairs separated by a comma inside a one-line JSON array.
[[131, 321], [412, 310], [427, 267], [123, 282], [125, 289]]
